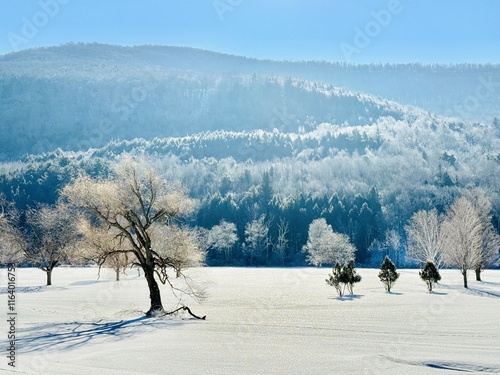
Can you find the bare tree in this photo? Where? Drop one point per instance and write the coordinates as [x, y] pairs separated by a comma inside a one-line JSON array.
[[490, 237], [325, 246], [424, 244], [100, 240], [223, 237], [392, 242], [138, 205], [12, 242], [279, 247], [462, 237], [184, 247], [51, 236], [257, 237]]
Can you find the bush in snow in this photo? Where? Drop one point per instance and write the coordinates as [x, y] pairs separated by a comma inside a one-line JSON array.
[[342, 278], [352, 276], [388, 274], [430, 274]]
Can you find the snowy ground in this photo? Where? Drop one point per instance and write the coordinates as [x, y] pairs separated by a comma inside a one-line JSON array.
[[259, 321]]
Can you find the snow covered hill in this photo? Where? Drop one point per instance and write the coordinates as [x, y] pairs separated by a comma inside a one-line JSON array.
[[80, 96], [259, 321]]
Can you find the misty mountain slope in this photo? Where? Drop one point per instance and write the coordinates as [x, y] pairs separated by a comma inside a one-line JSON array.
[[414, 163], [467, 91], [396, 167], [81, 111]]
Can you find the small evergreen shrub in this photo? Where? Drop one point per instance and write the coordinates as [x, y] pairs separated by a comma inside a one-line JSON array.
[[342, 278], [430, 275], [351, 276], [388, 274]]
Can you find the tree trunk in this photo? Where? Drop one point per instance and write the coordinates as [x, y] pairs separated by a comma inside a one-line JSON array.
[[464, 273], [117, 270], [48, 272], [154, 292], [478, 274]]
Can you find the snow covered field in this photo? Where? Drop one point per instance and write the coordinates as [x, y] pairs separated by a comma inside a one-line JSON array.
[[259, 321]]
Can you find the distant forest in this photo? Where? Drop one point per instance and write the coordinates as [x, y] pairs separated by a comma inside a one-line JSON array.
[[365, 181], [274, 143], [84, 95]]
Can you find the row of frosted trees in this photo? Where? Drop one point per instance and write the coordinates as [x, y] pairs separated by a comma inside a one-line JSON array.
[[463, 238], [134, 217]]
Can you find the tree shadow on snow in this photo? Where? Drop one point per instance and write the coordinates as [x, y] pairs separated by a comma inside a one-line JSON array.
[[63, 336], [33, 289], [434, 293], [483, 293], [450, 366], [88, 282], [475, 291], [349, 297]]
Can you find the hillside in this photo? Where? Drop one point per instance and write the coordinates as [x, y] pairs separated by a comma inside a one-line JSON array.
[[82, 96], [469, 91], [245, 146], [365, 180]]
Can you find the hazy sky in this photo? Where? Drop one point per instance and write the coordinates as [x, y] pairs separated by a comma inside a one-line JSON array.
[[442, 31]]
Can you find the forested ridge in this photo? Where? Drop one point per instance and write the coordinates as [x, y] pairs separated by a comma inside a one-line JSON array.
[[79, 96], [267, 152], [365, 181]]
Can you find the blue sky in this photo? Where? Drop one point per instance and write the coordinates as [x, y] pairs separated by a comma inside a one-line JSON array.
[[429, 31]]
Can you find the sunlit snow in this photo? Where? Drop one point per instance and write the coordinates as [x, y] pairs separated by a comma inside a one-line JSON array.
[[259, 321]]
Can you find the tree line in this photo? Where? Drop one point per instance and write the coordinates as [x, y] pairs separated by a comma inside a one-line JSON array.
[[134, 217]]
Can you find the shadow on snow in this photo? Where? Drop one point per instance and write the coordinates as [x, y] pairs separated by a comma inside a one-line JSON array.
[[451, 366], [63, 336], [349, 297]]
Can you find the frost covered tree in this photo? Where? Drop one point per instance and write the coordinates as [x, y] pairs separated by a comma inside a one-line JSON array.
[[98, 240], [257, 238], [51, 236], [223, 237], [183, 246], [490, 237], [12, 242], [324, 246], [139, 206], [424, 243], [280, 246], [462, 237], [430, 274], [388, 274]]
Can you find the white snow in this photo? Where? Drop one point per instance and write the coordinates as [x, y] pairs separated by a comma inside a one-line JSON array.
[[259, 321]]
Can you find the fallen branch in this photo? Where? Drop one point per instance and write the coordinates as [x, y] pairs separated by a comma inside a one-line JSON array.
[[185, 308]]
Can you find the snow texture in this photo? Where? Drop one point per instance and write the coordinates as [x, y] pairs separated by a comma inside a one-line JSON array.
[[259, 321]]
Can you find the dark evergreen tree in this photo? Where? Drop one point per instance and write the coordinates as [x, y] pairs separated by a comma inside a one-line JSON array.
[[342, 278], [388, 274], [430, 274], [351, 275], [337, 279]]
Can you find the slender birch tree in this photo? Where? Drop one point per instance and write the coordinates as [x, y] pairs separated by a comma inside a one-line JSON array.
[[462, 237], [424, 244]]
